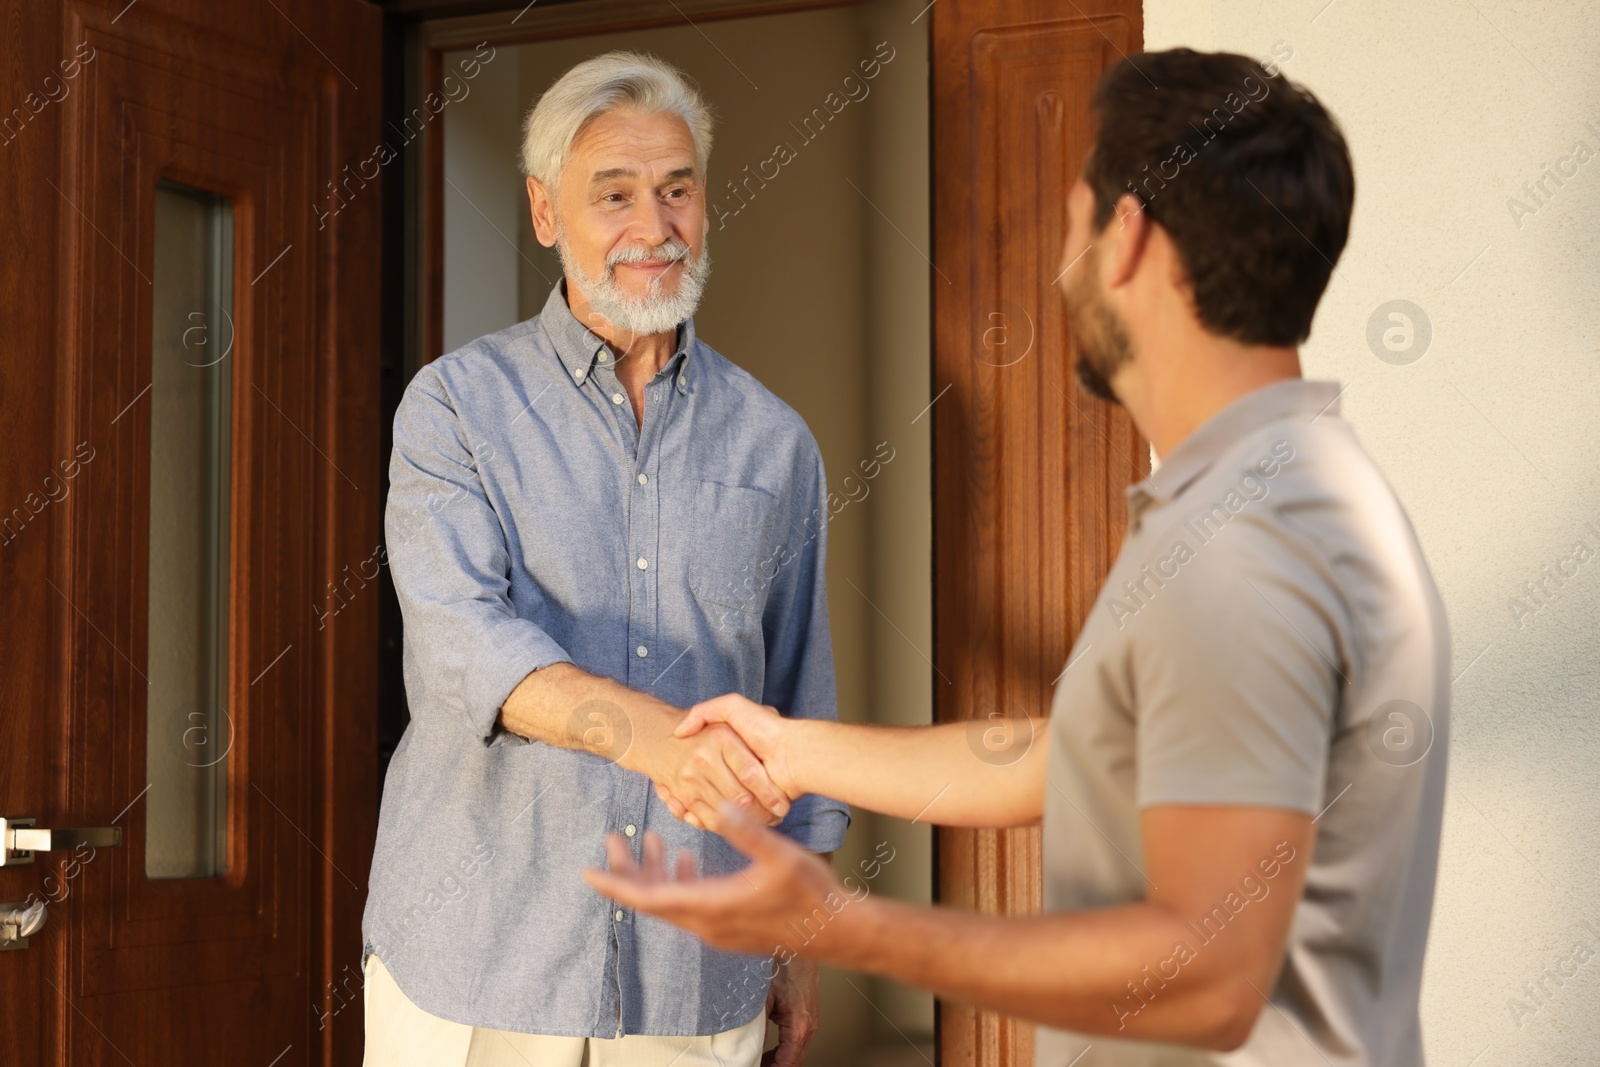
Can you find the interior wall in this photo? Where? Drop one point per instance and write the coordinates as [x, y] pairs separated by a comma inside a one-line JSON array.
[[820, 289], [1475, 129], [484, 202]]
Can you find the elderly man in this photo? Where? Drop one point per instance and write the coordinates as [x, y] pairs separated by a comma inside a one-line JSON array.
[[594, 521], [1242, 779]]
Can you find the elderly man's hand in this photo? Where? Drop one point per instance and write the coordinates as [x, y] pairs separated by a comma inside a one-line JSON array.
[[793, 1005], [694, 774]]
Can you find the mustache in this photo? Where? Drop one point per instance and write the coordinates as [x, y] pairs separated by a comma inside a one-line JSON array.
[[669, 251]]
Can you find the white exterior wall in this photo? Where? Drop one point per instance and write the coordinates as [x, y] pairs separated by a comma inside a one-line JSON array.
[[1490, 439]]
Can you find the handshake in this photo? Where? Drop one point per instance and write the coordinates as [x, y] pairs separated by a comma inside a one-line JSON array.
[[728, 749], [730, 754]]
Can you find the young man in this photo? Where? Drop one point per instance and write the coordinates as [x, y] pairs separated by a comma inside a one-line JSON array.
[[1242, 777], [583, 516]]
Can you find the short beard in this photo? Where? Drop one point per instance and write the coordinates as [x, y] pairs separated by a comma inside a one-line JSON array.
[[654, 312], [1101, 339]]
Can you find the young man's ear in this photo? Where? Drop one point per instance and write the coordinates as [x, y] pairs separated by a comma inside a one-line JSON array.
[[1125, 239], [543, 209]]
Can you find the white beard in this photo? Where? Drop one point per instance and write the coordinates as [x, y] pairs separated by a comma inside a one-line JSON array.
[[654, 312]]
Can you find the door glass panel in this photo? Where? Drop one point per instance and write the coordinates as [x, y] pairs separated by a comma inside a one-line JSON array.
[[189, 732]]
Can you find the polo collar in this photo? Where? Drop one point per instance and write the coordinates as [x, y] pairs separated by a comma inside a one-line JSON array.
[[577, 346], [1292, 398]]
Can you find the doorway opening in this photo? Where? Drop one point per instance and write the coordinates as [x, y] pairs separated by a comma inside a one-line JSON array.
[[818, 200]]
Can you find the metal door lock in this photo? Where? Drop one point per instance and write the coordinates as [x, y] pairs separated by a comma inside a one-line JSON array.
[[21, 839], [19, 919]]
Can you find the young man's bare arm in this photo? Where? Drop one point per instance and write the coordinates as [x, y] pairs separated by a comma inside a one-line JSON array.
[[988, 773], [1192, 963]]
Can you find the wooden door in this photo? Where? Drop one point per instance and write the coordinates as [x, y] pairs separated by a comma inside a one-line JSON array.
[[241, 946], [1029, 471]]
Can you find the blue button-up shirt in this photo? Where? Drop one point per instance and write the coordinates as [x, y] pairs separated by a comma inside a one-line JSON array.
[[531, 520]]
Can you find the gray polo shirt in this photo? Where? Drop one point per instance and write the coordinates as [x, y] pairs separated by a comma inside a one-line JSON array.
[[1269, 635], [532, 521]]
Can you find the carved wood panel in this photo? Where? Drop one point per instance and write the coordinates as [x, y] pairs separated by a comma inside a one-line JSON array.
[[1029, 471]]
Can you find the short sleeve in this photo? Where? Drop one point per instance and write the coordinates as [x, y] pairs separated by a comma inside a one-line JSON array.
[[1236, 670]]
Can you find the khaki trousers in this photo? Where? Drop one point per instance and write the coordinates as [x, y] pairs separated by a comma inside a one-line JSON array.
[[400, 1034]]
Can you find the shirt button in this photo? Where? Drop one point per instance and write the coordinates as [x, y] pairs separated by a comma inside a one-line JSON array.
[[630, 829], [642, 564], [601, 357], [643, 478], [619, 915], [643, 652], [616, 398]]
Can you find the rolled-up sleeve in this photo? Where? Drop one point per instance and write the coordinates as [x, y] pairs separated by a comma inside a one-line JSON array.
[[451, 568], [799, 675]]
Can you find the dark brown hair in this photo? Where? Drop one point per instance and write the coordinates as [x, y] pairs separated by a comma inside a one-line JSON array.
[[1246, 171]]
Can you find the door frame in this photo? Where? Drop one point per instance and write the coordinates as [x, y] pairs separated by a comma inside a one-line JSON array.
[[1026, 466]]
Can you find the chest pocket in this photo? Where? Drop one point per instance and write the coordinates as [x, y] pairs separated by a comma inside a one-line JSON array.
[[733, 546]]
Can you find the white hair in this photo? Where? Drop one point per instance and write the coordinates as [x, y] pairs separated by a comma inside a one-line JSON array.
[[601, 84]]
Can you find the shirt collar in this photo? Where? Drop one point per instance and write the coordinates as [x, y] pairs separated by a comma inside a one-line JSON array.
[[1293, 398], [577, 346]]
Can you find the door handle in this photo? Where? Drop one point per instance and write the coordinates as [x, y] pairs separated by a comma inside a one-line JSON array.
[[21, 839]]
